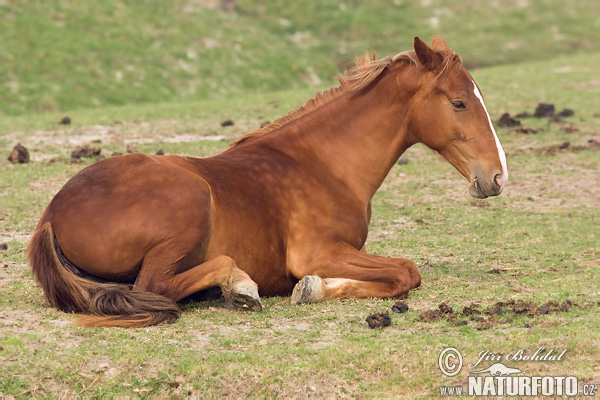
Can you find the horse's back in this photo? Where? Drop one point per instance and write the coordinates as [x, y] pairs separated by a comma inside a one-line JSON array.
[[110, 214]]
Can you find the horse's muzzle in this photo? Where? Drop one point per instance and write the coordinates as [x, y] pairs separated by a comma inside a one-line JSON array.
[[482, 188]]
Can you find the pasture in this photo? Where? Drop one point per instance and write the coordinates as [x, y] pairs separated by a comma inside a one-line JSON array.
[[536, 243]]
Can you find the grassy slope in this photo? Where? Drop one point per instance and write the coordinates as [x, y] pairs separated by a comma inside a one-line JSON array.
[[69, 55]]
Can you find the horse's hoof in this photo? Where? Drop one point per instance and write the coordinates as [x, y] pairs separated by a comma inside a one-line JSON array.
[[245, 297], [308, 290]]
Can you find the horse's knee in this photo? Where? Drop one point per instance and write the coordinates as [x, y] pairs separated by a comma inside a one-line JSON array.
[[413, 271], [403, 279], [415, 275]]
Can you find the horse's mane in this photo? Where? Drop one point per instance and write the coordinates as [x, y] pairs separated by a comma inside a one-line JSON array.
[[366, 69]]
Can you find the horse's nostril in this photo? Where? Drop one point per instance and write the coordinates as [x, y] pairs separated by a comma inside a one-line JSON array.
[[499, 181]]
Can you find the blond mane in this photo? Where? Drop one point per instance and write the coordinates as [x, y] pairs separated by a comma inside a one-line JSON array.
[[366, 69]]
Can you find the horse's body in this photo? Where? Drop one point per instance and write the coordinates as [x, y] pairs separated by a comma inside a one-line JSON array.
[[285, 208]]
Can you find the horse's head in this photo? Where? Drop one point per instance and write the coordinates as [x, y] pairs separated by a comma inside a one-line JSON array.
[[448, 115]]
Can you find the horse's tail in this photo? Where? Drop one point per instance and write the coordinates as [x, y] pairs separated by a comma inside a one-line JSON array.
[[104, 304]]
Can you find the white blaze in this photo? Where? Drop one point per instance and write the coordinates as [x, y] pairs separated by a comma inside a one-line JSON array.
[[501, 154]]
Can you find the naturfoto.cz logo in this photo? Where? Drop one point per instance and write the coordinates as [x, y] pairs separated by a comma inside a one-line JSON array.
[[499, 379]]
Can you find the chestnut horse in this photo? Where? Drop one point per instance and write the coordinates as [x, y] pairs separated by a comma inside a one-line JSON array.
[[284, 210]]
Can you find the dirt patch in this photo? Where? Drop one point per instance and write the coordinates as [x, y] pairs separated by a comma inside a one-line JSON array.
[[485, 318], [480, 203]]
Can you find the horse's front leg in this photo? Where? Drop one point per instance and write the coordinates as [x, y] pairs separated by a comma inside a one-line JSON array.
[[345, 272]]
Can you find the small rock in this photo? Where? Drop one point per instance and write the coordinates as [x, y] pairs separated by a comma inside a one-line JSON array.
[[160, 152], [3, 246], [461, 323], [19, 154], [228, 122], [402, 161]]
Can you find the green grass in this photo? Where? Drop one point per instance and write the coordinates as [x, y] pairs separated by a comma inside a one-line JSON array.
[[541, 234], [59, 57], [538, 241]]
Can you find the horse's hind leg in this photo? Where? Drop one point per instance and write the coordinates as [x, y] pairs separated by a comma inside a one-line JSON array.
[[158, 275]]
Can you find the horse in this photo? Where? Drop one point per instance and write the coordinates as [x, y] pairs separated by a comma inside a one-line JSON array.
[[283, 210]]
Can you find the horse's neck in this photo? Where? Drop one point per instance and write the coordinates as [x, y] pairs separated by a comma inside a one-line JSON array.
[[358, 136]]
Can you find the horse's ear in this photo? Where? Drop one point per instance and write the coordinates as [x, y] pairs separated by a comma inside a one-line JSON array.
[[426, 56], [438, 44]]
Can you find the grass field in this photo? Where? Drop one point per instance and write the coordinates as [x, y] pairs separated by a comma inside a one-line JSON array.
[[537, 242], [60, 56]]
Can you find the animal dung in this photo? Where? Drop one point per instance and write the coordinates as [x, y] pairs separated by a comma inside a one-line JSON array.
[[400, 307], [64, 121], [566, 112], [85, 151], [506, 120], [544, 110], [493, 312], [523, 130], [19, 154], [379, 320]]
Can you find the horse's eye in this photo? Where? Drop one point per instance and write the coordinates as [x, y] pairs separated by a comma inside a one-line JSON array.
[[459, 105]]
